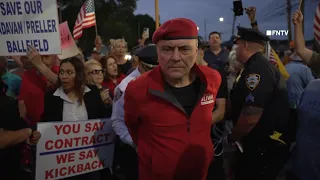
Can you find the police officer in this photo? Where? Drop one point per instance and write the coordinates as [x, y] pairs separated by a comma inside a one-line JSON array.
[[148, 59], [260, 107]]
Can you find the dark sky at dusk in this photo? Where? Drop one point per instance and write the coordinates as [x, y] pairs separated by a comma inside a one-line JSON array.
[[271, 14]]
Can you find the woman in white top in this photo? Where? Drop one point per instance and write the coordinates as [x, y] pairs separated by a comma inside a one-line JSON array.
[[74, 101]]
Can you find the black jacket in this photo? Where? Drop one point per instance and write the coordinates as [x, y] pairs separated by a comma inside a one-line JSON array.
[[53, 106], [10, 120]]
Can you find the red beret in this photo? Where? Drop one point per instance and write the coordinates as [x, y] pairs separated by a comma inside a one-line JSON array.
[[179, 28]]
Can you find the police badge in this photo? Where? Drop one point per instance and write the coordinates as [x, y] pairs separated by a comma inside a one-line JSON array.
[[253, 81], [117, 95]]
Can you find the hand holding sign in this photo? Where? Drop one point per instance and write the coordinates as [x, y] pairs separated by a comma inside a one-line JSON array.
[[34, 56], [297, 18], [33, 140]]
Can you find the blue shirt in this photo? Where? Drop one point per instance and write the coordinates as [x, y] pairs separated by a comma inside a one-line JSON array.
[[220, 59], [117, 117], [306, 157], [300, 77], [13, 81]]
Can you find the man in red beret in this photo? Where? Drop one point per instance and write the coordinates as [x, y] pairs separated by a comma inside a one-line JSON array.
[[168, 111]]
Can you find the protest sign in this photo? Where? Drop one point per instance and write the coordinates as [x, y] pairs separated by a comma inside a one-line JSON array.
[[68, 46], [67, 149], [26, 23]]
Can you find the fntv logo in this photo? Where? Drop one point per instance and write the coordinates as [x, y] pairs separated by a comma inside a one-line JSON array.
[[277, 32]]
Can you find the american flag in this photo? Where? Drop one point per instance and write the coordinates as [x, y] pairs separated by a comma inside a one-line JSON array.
[[316, 29], [275, 60], [86, 19]]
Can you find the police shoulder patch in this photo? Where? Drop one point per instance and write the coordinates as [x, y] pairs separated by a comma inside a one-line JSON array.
[[117, 95], [252, 81]]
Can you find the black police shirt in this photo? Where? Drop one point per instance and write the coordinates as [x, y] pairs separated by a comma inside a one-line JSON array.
[[260, 84]]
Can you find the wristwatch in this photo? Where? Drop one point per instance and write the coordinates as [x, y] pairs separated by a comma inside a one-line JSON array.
[[254, 23]]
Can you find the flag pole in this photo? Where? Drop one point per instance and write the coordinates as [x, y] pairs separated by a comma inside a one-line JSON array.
[[60, 10], [96, 27], [156, 5]]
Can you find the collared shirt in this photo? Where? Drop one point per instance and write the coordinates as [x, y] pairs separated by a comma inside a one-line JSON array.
[[13, 81], [220, 59], [260, 84], [72, 110], [300, 77], [118, 123]]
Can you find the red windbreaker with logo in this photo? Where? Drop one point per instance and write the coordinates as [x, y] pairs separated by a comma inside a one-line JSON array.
[[171, 145]]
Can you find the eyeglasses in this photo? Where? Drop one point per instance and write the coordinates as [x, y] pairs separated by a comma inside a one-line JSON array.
[[97, 71]]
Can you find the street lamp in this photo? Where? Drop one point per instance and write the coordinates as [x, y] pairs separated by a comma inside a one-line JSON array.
[[197, 28], [221, 19]]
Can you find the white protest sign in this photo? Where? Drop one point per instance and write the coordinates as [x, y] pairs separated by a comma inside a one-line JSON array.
[[26, 23], [67, 149], [68, 45]]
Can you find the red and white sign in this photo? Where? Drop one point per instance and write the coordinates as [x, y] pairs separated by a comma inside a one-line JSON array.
[[67, 149], [69, 47]]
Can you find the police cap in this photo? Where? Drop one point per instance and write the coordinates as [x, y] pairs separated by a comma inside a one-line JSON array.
[[148, 55], [251, 35]]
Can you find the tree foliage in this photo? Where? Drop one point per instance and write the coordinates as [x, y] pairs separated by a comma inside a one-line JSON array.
[[115, 19]]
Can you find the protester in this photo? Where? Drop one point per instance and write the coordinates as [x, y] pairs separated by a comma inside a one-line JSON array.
[[305, 158], [96, 55], [14, 132], [13, 81], [311, 58], [168, 110], [216, 55], [147, 58], [35, 82], [260, 110], [100, 47], [113, 76], [300, 77], [94, 76], [216, 169], [119, 49], [73, 100]]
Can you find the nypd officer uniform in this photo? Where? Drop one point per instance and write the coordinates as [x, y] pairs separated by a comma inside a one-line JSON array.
[[148, 59], [265, 149]]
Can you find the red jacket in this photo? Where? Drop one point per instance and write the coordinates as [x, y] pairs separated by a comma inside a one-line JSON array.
[[108, 83], [167, 148]]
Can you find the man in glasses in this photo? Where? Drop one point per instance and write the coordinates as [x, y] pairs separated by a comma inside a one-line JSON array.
[[148, 59]]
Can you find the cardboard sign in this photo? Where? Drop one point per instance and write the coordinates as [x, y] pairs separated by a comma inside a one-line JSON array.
[[68, 45], [67, 149], [26, 23]]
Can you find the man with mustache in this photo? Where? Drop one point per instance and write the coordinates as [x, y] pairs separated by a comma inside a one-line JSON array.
[[168, 111]]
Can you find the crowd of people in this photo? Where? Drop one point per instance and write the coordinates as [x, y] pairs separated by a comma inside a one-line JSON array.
[[171, 105]]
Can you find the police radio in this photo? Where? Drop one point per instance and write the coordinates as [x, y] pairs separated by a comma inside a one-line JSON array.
[[237, 7]]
